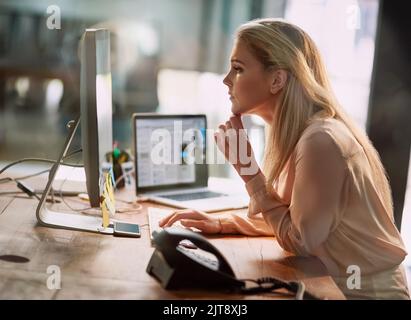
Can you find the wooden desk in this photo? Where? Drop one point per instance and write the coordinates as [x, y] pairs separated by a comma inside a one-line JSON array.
[[97, 266]]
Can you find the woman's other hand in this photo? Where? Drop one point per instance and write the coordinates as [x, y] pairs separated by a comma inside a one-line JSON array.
[[232, 140], [193, 219]]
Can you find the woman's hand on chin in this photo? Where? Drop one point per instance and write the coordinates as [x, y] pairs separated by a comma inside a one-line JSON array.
[[232, 140]]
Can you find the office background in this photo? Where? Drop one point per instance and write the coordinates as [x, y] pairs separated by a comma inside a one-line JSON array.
[[170, 56]]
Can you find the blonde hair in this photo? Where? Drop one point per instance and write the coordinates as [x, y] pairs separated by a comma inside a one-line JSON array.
[[278, 44]]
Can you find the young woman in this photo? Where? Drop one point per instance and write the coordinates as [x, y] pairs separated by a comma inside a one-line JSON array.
[[323, 191]]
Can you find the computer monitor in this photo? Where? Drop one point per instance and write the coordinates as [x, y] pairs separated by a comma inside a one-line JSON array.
[[96, 132], [96, 107]]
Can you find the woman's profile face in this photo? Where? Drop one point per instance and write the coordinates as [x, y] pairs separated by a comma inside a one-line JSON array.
[[248, 83]]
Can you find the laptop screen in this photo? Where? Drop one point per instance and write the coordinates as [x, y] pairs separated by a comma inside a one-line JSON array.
[[170, 151]]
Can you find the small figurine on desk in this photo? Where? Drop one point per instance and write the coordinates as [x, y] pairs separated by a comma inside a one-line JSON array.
[[122, 166]]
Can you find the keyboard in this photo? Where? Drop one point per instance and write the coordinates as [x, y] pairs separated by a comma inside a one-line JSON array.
[[154, 216], [193, 195]]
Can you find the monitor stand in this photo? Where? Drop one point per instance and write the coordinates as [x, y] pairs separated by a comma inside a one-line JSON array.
[[67, 220]]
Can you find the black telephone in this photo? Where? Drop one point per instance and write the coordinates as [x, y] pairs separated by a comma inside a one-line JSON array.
[[177, 267]]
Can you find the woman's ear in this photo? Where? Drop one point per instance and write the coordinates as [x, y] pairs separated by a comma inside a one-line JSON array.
[[279, 79]]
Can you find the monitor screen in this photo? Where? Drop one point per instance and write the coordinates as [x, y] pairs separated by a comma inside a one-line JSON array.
[[170, 151], [96, 107]]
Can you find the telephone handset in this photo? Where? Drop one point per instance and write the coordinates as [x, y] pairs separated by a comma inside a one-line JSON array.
[[179, 268], [176, 267]]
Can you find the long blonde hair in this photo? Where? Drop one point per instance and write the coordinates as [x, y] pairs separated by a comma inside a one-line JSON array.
[[278, 44]]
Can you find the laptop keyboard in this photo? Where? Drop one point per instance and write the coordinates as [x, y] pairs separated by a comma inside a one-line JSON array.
[[193, 196]]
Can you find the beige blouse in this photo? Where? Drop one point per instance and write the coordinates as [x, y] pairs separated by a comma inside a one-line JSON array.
[[326, 204]]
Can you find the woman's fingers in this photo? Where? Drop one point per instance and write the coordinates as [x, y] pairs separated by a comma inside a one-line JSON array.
[[178, 215], [210, 225], [232, 140], [228, 138], [222, 127], [198, 224], [219, 135], [193, 219], [220, 139], [236, 122], [164, 220]]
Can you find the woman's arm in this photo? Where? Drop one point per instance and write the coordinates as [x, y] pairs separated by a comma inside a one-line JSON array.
[[232, 223], [232, 141], [317, 197], [300, 227], [242, 223]]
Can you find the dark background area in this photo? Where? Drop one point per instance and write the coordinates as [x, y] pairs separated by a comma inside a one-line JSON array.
[[389, 117]]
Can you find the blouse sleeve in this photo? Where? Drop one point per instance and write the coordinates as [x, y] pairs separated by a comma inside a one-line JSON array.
[[250, 225], [317, 196]]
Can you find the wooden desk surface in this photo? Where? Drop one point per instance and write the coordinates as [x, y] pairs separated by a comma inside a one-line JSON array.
[[95, 266]]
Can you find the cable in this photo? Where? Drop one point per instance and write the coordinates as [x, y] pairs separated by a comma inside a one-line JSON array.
[[66, 193], [73, 153], [3, 180], [7, 179], [64, 200], [32, 175], [38, 160], [299, 295], [136, 207], [36, 191], [6, 193], [16, 180], [26, 189], [269, 284], [123, 176]]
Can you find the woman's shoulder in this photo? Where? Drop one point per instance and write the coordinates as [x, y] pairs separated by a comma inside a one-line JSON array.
[[330, 132], [325, 125]]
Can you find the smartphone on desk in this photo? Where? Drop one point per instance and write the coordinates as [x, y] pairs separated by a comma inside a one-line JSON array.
[[125, 229]]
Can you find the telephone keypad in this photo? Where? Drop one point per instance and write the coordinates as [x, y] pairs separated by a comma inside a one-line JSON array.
[[208, 262]]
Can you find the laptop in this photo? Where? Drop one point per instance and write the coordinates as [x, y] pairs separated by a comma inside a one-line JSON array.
[[170, 161]]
